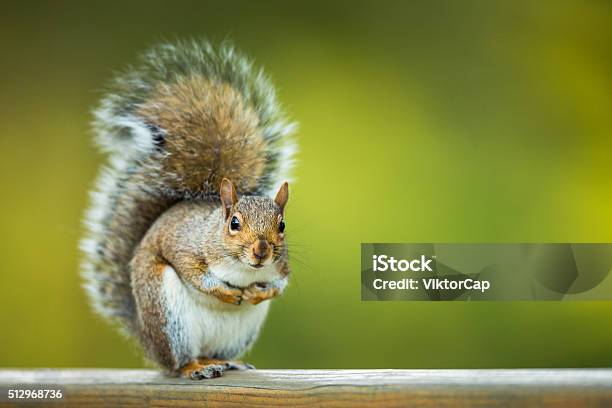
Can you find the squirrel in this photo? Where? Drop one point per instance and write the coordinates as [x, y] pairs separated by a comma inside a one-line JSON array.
[[172, 252]]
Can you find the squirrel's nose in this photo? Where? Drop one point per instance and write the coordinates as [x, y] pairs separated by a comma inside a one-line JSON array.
[[260, 249]]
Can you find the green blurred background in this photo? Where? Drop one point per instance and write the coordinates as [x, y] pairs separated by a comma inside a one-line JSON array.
[[430, 121]]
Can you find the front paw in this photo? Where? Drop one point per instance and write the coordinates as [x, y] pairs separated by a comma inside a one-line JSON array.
[[258, 292], [228, 295]]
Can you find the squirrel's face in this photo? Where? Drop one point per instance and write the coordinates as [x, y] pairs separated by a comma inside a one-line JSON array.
[[254, 228]]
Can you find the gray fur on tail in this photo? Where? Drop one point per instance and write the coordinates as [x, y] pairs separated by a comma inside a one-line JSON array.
[[133, 189]]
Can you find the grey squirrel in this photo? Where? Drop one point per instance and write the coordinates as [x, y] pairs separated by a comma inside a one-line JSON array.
[[172, 252]]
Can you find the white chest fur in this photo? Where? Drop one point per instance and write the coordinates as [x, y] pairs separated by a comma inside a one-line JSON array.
[[202, 326], [240, 275]]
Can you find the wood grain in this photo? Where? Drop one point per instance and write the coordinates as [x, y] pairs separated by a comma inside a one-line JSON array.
[[320, 388]]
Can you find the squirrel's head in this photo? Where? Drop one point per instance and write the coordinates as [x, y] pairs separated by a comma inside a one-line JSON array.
[[254, 226]]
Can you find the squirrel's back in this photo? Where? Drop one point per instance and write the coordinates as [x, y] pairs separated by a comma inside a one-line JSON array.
[[188, 115]]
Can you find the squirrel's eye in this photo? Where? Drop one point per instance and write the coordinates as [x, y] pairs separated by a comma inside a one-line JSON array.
[[235, 224], [281, 226]]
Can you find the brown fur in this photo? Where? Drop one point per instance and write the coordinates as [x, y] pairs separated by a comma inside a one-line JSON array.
[[147, 281], [282, 196], [190, 237], [173, 125], [206, 120]]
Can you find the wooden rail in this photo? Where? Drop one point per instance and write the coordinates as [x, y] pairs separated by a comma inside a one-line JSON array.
[[317, 388]]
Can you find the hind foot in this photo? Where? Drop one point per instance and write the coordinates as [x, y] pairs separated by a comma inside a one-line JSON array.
[[197, 371], [205, 368], [227, 364]]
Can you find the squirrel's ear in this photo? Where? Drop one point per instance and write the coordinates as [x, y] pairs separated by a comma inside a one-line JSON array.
[[282, 196], [228, 196]]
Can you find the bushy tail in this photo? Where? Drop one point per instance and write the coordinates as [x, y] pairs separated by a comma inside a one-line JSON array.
[[188, 115]]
